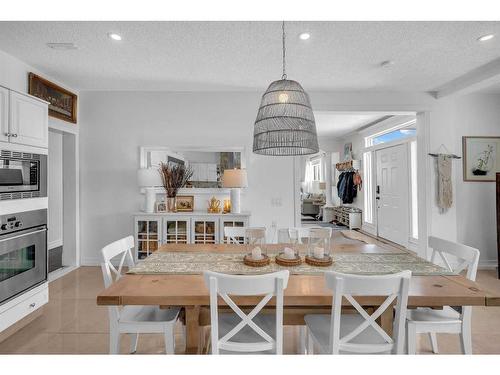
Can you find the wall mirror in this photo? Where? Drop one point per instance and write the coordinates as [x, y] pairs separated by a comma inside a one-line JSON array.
[[208, 164]]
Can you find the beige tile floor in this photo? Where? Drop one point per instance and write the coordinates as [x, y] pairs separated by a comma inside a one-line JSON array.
[[72, 323]]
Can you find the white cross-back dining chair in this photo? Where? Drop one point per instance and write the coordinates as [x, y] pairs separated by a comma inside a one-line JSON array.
[[448, 320], [359, 332], [300, 235], [239, 235], [133, 319], [241, 332]]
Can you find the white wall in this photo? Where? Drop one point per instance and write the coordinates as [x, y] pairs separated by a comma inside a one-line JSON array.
[[476, 115], [115, 124]]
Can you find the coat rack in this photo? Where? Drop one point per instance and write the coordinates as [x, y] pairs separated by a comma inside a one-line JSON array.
[[447, 154]]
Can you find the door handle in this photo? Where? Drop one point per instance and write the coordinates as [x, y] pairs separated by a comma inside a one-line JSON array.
[[377, 198], [7, 134], [14, 135], [378, 189]]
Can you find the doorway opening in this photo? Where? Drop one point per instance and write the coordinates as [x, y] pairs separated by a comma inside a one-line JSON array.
[[380, 147]]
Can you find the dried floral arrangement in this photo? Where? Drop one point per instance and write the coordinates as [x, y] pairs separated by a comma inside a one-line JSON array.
[[174, 177]]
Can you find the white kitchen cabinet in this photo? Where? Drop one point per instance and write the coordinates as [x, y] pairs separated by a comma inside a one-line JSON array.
[[28, 120], [4, 114]]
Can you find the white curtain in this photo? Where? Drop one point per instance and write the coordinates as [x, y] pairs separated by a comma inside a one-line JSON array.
[[309, 176]]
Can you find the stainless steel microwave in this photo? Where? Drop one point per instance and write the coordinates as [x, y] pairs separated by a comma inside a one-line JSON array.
[[22, 175]]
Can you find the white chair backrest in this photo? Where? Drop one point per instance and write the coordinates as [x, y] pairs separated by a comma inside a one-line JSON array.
[[110, 273], [299, 234], [255, 235], [395, 286], [468, 257], [235, 235], [269, 285]]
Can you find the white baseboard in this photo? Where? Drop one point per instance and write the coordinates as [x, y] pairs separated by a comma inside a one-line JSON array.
[[54, 275], [90, 261], [488, 264]]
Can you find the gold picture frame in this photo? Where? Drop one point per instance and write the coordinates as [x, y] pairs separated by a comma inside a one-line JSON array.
[[185, 203], [481, 158]]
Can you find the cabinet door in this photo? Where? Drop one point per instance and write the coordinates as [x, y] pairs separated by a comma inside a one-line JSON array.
[[4, 114], [205, 230], [28, 121], [176, 229], [147, 236]]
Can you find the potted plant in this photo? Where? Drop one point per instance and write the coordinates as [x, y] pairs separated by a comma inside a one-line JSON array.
[[174, 177]]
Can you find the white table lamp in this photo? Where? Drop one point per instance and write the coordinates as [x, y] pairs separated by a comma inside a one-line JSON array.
[[235, 179], [149, 178]]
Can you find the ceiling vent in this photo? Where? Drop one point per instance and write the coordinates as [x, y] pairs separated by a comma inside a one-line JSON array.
[[62, 46]]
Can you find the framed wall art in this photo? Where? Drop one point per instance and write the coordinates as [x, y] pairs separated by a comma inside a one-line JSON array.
[[185, 203], [62, 103], [481, 159]]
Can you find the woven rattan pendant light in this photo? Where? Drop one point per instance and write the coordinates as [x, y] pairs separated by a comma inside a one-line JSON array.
[[285, 122]]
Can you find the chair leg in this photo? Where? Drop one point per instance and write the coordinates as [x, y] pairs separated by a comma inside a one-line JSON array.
[[169, 339], [114, 341], [466, 339], [434, 343], [411, 337], [134, 337]]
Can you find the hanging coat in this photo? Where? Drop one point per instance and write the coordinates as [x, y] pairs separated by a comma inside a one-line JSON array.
[[346, 188]]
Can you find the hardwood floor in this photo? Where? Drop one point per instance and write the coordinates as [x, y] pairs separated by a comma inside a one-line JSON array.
[[72, 323]]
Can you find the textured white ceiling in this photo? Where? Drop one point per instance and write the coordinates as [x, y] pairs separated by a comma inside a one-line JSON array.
[[331, 124], [187, 56]]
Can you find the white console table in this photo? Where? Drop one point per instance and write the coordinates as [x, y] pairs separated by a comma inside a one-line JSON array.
[[155, 229]]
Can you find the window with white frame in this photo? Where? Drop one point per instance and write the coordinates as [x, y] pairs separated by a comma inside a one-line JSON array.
[[405, 130], [316, 168], [414, 189], [367, 187]]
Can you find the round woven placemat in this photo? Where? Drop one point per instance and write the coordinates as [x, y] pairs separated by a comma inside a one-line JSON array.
[[288, 262], [249, 261], [324, 262]]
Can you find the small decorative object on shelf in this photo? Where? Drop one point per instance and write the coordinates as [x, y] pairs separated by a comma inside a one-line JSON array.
[[185, 203], [227, 206], [161, 206], [174, 177], [214, 206], [318, 248]]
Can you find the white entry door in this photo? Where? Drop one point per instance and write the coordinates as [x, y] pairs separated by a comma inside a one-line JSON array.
[[392, 194]]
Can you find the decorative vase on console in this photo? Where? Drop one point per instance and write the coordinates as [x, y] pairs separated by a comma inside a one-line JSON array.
[[174, 177]]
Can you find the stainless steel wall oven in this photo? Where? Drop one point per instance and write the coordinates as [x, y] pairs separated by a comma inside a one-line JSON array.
[[23, 252]]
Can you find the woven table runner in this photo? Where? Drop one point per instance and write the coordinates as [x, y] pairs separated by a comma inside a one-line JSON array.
[[191, 263]]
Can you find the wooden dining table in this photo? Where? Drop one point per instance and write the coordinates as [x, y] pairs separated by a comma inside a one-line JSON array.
[[305, 294]]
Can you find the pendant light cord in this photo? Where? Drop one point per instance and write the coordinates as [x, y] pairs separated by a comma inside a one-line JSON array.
[[284, 50]]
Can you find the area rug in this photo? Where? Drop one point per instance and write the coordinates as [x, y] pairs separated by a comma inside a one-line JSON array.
[[190, 263]]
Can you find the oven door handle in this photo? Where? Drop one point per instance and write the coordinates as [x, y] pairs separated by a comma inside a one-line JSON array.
[[23, 235]]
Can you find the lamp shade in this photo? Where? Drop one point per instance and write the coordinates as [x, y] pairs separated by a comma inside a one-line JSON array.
[[235, 178], [285, 123], [147, 177]]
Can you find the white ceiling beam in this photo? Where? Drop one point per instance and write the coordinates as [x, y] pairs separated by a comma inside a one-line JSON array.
[[477, 79]]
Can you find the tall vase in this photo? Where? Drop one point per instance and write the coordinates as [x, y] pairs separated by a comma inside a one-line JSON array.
[[171, 204]]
